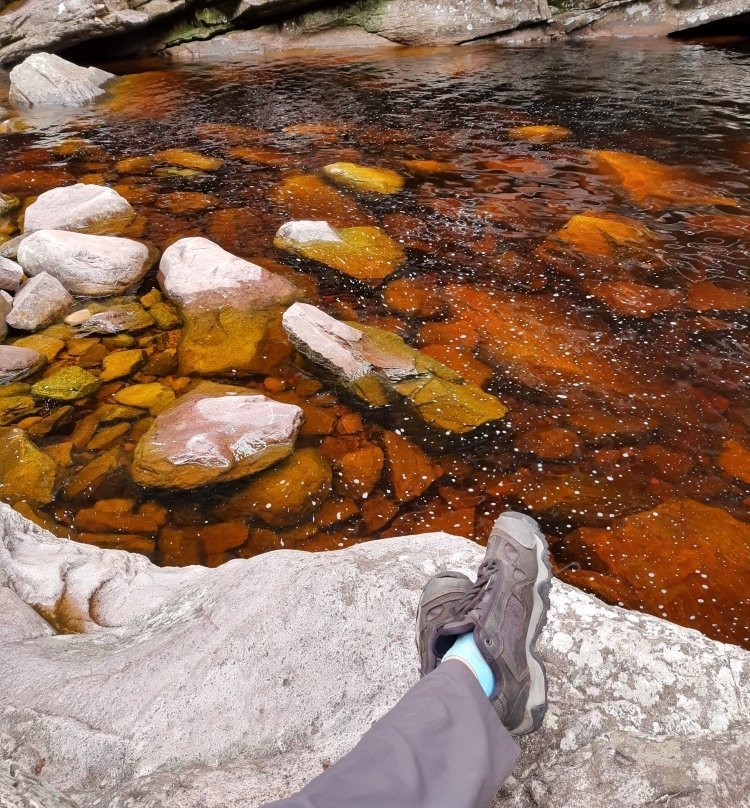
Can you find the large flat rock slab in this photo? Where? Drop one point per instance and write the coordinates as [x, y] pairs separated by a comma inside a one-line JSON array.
[[234, 686]]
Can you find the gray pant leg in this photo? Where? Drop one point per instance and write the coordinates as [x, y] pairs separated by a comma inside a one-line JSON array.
[[441, 746]]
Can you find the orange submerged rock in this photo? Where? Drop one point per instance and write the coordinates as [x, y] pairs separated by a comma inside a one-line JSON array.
[[654, 185], [683, 560], [410, 470]]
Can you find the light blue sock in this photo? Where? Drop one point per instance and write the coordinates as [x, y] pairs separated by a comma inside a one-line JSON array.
[[465, 649]]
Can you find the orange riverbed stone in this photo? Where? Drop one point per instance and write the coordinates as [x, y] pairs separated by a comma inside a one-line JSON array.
[[653, 185], [284, 494], [540, 133], [635, 299], [735, 460], [684, 560], [553, 443], [707, 296], [307, 196], [410, 470]]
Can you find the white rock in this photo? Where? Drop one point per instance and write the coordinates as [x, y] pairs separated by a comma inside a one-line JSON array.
[[42, 301], [96, 266], [18, 363], [195, 270], [11, 275], [44, 78], [303, 232], [83, 208], [78, 317], [228, 687]]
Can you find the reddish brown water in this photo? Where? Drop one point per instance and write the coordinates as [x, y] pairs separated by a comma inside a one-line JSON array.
[[627, 435]]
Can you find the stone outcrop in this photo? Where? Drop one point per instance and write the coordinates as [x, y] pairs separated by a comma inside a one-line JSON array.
[[187, 31], [44, 79], [231, 309], [379, 368], [95, 266], [215, 434], [642, 712], [84, 208]]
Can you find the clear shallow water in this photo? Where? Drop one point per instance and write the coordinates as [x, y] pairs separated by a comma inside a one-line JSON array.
[[642, 495]]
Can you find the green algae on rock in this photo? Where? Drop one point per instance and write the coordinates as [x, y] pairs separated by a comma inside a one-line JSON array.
[[285, 494], [26, 473], [67, 384], [364, 253], [364, 178], [379, 368]]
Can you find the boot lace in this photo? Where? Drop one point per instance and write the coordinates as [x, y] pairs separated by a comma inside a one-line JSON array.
[[474, 594]]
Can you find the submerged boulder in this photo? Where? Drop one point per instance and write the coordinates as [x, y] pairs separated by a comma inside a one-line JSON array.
[[368, 179], [85, 264], [93, 209], [26, 473], [683, 559], [364, 253], [67, 384], [47, 79], [214, 434], [284, 652], [42, 301], [653, 185], [231, 309], [18, 363], [380, 369], [286, 493]]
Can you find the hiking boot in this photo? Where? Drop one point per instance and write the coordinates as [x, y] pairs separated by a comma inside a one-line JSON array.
[[506, 610], [436, 608]]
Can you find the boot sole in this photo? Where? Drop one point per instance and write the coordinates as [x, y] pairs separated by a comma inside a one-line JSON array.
[[536, 705]]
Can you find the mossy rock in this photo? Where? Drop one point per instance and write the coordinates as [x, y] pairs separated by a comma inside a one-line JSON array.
[[26, 473], [67, 384]]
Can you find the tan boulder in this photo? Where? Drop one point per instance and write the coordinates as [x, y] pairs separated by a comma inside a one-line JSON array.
[[214, 434]]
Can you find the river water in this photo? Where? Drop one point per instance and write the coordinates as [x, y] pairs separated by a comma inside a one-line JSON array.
[[629, 408]]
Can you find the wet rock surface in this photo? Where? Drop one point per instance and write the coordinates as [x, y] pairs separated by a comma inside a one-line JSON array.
[[215, 433], [631, 697], [42, 300], [231, 308], [379, 368]]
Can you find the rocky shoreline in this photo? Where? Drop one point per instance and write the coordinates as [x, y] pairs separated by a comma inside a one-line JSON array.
[[185, 30], [127, 685]]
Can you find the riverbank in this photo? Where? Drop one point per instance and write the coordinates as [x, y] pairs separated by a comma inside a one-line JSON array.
[[235, 686]]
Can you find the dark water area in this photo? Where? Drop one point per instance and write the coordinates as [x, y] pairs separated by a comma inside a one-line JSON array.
[[620, 344]]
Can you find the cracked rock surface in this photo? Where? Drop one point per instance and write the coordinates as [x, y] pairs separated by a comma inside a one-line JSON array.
[[126, 684]]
